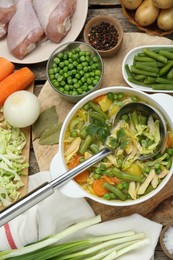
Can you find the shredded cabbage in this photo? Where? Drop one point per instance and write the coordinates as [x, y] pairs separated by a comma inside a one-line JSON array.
[[12, 163]]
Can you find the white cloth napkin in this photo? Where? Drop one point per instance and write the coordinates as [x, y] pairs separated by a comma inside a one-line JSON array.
[[57, 212]]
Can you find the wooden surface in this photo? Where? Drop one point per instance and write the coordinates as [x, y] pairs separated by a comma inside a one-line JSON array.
[[163, 212]]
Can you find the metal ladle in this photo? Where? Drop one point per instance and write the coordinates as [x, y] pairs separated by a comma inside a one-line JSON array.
[[47, 189]]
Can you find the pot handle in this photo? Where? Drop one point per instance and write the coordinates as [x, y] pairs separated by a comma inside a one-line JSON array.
[[166, 101]]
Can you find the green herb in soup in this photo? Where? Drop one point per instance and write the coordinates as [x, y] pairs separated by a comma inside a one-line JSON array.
[[121, 175]]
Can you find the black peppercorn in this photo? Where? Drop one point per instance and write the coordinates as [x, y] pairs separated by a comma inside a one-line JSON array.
[[103, 36]]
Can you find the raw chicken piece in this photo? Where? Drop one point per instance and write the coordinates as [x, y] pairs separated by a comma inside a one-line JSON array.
[[55, 16], [7, 10], [24, 30]]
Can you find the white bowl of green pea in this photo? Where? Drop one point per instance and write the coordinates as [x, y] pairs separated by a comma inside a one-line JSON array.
[[82, 135], [74, 70], [149, 68]]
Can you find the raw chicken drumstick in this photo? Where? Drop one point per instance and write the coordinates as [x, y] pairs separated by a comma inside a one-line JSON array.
[[55, 17], [24, 30], [7, 10]]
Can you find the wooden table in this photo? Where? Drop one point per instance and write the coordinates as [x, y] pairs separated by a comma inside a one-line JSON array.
[[96, 7]]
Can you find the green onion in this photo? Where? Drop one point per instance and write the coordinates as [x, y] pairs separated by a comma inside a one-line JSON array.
[[106, 247]]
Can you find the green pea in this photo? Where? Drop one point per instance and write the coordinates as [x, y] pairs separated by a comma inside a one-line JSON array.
[[146, 169], [98, 170], [119, 186], [51, 71], [60, 55], [74, 133], [97, 72], [107, 196], [170, 151], [110, 95], [126, 185]]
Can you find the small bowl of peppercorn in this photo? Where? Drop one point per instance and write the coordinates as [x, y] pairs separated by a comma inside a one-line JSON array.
[[105, 34]]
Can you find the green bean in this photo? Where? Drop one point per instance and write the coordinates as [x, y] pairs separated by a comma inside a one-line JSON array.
[[94, 148], [125, 176], [162, 86], [166, 54], [168, 166], [138, 58], [149, 80], [96, 115], [163, 80], [127, 69], [139, 77], [86, 143], [138, 65], [155, 56], [170, 74], [148, 63], [143, 72], [164, 70], [83, 132], [132, 80], [116, 191], [97, 109]]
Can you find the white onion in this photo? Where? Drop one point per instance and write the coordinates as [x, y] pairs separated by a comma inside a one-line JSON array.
[[21, 109]]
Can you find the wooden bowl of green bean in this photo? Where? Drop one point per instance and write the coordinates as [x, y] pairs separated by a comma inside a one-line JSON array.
[[120, 179], [149, 68]]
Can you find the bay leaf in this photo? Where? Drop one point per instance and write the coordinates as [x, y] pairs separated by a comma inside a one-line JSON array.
[[51, 135], [46, 120]]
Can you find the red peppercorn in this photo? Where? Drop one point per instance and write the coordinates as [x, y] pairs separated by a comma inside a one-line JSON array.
[[103, 36]]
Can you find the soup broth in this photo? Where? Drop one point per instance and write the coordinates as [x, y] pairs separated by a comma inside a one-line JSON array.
[[121, 175]]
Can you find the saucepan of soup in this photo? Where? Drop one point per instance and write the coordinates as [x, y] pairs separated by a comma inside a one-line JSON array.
[[121, 178]]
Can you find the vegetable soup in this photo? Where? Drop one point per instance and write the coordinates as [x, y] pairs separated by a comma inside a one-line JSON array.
[[121, 175]]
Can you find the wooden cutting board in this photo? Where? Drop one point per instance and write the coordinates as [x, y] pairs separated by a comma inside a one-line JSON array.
[[155, 208]]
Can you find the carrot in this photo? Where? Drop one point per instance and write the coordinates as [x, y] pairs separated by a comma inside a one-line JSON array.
[[99, 188], [6, 68], [82, 177], [170, 140], [18, 80], [74, 161], [111, 180]]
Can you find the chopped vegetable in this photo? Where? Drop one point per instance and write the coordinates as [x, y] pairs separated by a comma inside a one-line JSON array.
[[12, 163], [18, 80], [6, 68], [98, 187]]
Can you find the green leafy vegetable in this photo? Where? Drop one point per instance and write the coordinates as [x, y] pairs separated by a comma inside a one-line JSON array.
[[12, 163]]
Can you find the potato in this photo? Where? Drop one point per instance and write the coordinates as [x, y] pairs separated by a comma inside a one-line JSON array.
[[146, 13], [165, 19], [163, 4], [131, 4]]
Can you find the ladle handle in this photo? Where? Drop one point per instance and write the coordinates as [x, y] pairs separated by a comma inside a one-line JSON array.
[[47, 189]]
